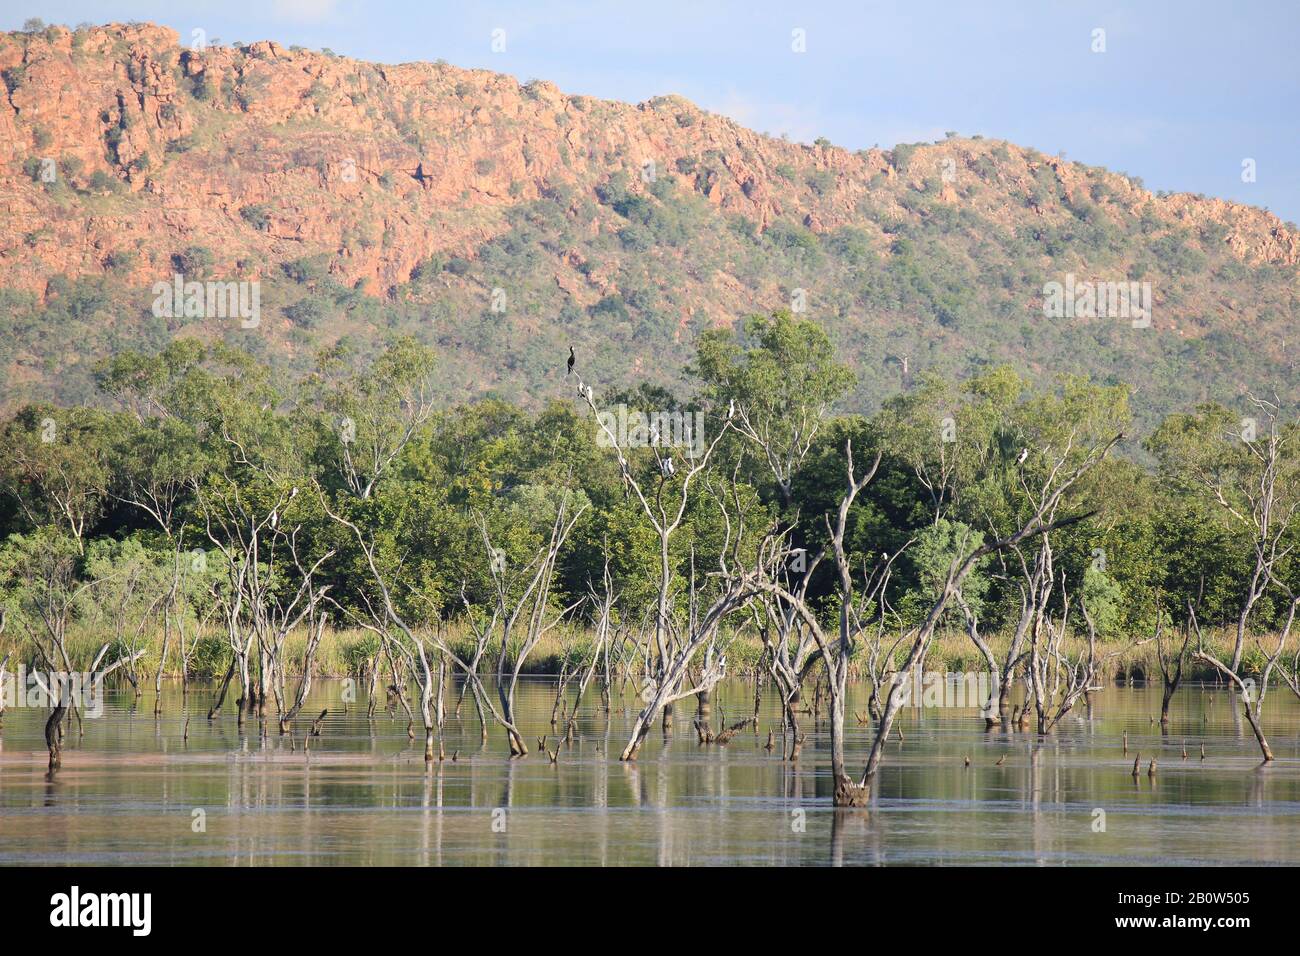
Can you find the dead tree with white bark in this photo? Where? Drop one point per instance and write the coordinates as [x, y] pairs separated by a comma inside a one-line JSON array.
[[1047, 497]]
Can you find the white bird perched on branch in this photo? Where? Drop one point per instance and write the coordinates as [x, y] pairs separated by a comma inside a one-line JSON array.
[[666, 467], [1024, 453]]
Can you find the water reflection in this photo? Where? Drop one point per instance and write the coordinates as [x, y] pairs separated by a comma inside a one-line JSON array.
[[361, 793]]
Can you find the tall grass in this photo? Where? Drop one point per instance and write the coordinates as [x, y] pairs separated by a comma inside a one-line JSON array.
[[343, 652]]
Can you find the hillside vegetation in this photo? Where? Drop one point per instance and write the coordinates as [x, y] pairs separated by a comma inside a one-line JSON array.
[[368, 199]]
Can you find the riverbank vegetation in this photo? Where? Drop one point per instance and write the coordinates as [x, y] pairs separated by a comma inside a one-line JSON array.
[[207, 518]]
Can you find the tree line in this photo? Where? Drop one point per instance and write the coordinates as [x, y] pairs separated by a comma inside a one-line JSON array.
[[205, 491]]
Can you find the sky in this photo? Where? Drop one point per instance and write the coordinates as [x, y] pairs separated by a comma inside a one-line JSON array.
[[1181, 93]]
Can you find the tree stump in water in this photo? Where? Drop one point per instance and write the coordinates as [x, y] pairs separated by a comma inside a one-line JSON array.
[[53, 736], [849, 794]]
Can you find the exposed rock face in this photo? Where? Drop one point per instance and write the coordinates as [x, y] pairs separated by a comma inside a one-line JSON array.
[[310, 134], [266, 155]]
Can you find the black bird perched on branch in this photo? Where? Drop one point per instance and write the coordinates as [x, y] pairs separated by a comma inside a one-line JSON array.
[[571, 361]]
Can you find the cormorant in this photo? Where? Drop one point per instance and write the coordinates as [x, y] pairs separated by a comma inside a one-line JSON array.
[[572, 359]]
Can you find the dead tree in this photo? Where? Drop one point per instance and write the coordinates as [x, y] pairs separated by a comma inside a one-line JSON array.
[[1171, 664], [1262, 499], [733, 585], [852, 603], [1046, 500], [1057, 681], [243, 530], [664, 508], [398, 638], [528, 608], [1252, 693], [603, 603]]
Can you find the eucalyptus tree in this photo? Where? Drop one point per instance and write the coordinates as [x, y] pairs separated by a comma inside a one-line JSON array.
[[776, 383], [953, 435], [375, 411], [58, 466]]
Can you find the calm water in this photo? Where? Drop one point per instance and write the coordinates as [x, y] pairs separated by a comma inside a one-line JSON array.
[[129, 789]]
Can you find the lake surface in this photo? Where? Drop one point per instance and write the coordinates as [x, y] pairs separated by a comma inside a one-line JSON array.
[[133, 791]]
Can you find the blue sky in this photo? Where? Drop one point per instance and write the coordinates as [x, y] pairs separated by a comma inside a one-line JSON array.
[[1184, 92]]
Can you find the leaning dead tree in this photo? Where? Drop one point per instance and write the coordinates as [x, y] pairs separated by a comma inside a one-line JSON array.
[[674, 674], [1252, 692], [525, 609], [1046, 499], [1259, 490], [1259, 487], [674, 646], [398, 639]]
